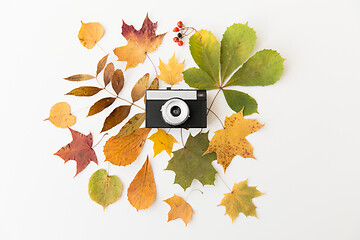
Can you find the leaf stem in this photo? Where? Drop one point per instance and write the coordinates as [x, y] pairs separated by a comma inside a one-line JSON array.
[[100, 140], [182, 141], [152, 64], [212, 102], [101, 48], [192, 192], [216, 117], [223, 181]]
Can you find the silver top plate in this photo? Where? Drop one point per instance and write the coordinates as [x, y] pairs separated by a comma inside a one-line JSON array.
[[167, 94]]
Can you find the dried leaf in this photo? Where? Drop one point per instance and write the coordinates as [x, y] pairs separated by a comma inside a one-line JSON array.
[[60, 115], [172, 72], [133, 124], [90, 34], [179, 209], [142, 190], [101, 64], [109, 73], [79, 77], [123, 151], [86, 91], [231, 141], [140, 42], [117, 81], [104, 189], [100, 105], [80, 150], [116, 117], [154, 84], [189, 163], [162, 141], [240, 200], [139, 89]]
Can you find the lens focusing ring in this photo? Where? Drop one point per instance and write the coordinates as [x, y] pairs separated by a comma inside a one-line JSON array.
[[167, 115]]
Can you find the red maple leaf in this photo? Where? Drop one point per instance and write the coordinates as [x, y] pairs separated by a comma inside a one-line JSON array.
[[80, 150]]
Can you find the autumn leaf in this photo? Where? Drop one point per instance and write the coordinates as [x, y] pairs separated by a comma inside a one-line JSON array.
[[79, 77], [101, 64], [117, 81], [100, 105], [84, 91], [60, 115], [162, 141], [124, 151], [116, 117], [133, 124], [142, 190], [109, 73], [140, 42], [172, 72], [231, 141], [80, 150], [189, 163], [90, 34], [240, 200], [154, 84], [139, 88], [179, 209], [104, 189]]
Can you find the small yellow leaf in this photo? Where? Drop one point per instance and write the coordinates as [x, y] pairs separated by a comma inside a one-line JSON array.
[[90, 34], [162, 141], [172, 72], [179, 209], [60, 115], [142, 190], [231, 141]]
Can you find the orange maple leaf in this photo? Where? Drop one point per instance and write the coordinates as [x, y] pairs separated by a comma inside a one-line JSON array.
[[140, 42]]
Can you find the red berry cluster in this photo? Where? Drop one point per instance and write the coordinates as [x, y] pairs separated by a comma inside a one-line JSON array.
[[182, 31]]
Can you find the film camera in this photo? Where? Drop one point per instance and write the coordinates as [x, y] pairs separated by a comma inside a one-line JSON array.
[[168, 108]]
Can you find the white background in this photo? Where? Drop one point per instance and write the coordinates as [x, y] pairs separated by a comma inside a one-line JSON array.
[[307, 153]]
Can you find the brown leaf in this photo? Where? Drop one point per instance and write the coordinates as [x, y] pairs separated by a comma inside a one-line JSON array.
[[139, 89], [84, 91], [140, 42], [117, 81], [142, 190], [80, 150], [179, 209], [154, 84], [133, 124], [79, 77], [109, 73], [100, 105], [116, 117], [60, 115], [123, 151], [101, 64], [90, 34]]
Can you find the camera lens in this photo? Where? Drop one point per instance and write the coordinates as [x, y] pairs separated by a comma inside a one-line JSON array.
[[175, 111]]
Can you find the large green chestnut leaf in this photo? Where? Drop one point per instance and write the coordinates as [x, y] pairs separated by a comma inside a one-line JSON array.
[[199, 79], [238, 100]]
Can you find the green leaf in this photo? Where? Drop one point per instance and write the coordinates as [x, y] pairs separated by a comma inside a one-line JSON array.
[[84, 91], [104, 189], [130, 127], [100, 105], [236, 46], [205, 51], [199, 79], [262, 69], [189, 163], [239, 100]]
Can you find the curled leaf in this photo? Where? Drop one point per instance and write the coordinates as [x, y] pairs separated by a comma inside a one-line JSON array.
[[117, 80], [101, 64], [179, 209], [104, 189], [162, 141], [86, 91], [116, 117], [90, 34], [124, 151], [172, 72], [142, 190], [139, 89], [60, 115], [79, 77], [100, 105], [133, 124]]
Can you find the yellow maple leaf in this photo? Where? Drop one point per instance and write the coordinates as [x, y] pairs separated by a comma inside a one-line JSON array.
[[162, 141], [140, 42], [240, 200], [172, 72], [60, 115], [90, 34], [142, 190], [231, 141], [179, 209]]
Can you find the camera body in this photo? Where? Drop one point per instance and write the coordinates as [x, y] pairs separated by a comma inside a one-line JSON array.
[[166, 108]]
